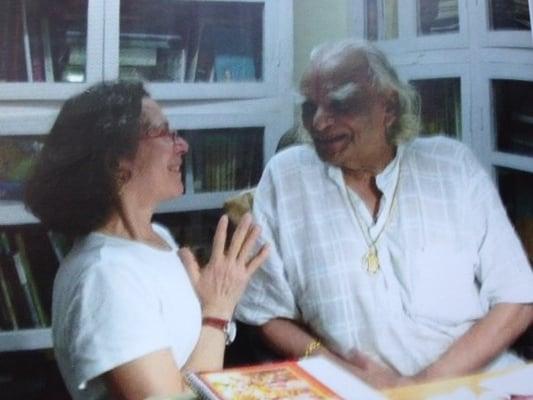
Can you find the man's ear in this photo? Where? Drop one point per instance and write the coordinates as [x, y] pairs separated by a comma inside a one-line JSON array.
[[392, 107]]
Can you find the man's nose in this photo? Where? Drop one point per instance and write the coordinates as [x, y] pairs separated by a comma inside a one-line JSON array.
[[181, 145], [322, 119]]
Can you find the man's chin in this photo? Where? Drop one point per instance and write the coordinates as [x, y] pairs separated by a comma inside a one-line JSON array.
[[325, 155]]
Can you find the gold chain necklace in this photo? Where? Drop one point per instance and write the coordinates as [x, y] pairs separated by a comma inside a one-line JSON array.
[[370, 261]]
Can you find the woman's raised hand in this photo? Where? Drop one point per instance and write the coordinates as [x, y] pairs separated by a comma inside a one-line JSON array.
[[222, 281]]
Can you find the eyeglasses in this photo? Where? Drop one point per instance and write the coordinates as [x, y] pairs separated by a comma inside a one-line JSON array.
[[154, 133]]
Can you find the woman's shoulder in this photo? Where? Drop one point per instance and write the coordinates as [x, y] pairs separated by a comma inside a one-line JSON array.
[[93, 255], [165, 233]]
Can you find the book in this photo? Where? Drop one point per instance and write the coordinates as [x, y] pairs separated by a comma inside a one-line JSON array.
[[16, 67], [26, 42], [234, 68], [4, 40], [47, 50], [313, 378], [8, 318], [25, 281], [44, 262], [16, 292], [36, 299], [18, 155]]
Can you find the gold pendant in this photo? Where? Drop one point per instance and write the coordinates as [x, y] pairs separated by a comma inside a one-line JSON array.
[[371, 260]]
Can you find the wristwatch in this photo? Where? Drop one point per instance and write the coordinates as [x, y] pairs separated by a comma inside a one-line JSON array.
[[227, 326]]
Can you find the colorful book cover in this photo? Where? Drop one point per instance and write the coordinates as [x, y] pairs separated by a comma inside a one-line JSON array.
[[284, 380]]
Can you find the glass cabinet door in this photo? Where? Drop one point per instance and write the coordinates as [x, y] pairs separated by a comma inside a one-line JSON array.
[[505, 23], [509, 15], [513, 113], [381, 21], [402, 26], [49, 49], [516, 190], [43, 41], [226, 159], [437, 17], [440, 101], [191, 41]]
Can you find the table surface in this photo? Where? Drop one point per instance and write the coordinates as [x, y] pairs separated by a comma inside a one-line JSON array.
[[441, 387]]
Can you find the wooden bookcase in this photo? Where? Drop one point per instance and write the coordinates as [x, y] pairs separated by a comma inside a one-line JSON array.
[[232, 101]]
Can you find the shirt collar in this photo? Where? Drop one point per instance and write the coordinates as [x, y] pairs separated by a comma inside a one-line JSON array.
[[385, 180]]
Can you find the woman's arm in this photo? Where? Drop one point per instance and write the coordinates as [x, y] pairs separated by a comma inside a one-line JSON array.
[[219, 286], [155, 374]]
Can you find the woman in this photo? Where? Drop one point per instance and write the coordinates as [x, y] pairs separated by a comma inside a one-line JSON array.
[[126, 317]]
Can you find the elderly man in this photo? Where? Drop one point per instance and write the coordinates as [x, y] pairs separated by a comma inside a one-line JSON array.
[[391, 253]]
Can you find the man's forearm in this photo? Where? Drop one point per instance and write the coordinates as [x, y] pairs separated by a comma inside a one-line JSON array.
[[288, 338], [483, 342]]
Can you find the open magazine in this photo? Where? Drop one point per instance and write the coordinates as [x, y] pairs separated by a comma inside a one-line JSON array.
[[314, 378]]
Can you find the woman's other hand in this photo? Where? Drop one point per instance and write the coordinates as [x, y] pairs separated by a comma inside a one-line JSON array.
[[222, 281]]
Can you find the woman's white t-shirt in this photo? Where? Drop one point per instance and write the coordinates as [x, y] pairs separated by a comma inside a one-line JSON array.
[[116, 300]]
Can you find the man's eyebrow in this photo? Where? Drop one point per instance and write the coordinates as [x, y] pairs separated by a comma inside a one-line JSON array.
[[346, 91], [163, 125]]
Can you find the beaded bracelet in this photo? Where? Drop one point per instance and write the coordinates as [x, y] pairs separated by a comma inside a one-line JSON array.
[[312, 347]]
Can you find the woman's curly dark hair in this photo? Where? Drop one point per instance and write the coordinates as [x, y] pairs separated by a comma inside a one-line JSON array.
[[73, 187]]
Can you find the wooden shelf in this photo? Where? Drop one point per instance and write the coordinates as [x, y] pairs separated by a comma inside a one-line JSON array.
[[14, 213], [26, 339]]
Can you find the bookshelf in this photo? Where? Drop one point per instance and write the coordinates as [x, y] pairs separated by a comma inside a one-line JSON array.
[[233, 111]]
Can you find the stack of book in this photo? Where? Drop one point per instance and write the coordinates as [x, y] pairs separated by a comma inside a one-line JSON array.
[[154, 57]]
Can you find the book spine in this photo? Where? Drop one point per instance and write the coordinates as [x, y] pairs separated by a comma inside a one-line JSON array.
[[42, 319], [35, 46], [47, 50], [23, 280], [26, 41], [15, 290], [8, 307], [5, 38], [16, 50]]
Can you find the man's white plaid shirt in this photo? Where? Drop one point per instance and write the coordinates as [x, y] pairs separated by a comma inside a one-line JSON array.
[[447, 253]]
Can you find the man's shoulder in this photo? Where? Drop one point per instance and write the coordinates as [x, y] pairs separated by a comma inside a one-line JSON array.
[[437, 149], [295, 156], [436, 144]]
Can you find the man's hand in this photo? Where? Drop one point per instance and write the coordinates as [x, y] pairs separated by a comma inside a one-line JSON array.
[[374, 373]]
